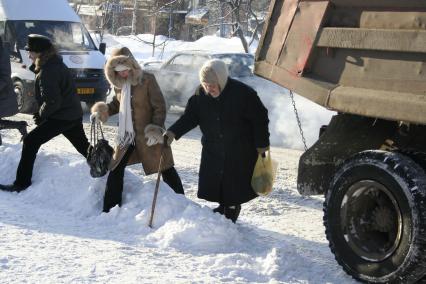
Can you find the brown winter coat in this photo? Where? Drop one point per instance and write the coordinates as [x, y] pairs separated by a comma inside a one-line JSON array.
[[148, 107]]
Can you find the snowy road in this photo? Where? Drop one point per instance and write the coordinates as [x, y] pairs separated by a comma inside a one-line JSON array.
[[54, 232]]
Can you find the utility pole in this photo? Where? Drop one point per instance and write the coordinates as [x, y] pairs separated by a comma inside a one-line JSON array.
[[222, 25], [114, 16], [170, 20], [134, 17]]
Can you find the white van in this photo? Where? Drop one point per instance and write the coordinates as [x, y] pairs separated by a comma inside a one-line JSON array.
[[57, 20]]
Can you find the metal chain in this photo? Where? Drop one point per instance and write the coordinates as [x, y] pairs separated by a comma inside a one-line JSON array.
[[298, 120]]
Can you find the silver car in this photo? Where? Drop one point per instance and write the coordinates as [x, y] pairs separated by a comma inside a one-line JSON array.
[[178, 77]]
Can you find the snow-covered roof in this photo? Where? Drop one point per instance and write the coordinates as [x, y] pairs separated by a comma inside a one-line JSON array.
[[197, 16], [48, 10], [87, 10]]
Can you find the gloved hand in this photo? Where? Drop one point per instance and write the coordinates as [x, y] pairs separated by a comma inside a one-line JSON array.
[[37, 119], [168, 137], [153, 140], [153, 134], [95, 116], [262, 151]]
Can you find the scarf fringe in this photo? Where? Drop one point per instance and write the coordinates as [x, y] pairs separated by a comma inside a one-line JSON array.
[[127, 139]]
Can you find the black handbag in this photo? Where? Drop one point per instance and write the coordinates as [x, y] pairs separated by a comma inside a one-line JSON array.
[[99, 154]]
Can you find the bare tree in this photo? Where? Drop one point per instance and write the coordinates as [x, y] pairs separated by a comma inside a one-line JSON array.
[[155, 10], [237, 14], [103, 19], [258, 21]]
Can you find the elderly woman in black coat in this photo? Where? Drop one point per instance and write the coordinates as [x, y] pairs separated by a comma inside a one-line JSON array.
[[234, 126], [8, 102], [59, 108]]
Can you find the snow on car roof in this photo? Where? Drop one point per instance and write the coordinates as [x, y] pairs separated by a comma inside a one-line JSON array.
[[47, 10]]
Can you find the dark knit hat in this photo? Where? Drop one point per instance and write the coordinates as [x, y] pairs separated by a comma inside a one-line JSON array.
[[37, 43]]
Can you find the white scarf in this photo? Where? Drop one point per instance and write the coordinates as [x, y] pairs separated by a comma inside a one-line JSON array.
[[126, 133]]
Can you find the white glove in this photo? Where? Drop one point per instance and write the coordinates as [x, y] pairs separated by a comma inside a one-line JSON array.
[[95, 117], [153, 134], [154, 140]]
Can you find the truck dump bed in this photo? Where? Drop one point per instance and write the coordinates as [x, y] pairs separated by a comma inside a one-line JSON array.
[[352, 56]]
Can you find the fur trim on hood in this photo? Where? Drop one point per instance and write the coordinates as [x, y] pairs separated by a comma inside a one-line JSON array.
[[112, 76]]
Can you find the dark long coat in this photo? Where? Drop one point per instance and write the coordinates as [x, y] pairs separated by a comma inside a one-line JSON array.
[[233, 125], [55, 89], [8, 102]]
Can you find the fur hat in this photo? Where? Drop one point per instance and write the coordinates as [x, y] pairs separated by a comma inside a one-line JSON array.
[[128, 61], [214, 71], [37, 43]]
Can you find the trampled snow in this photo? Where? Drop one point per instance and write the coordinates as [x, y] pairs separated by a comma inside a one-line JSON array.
[[55, 232]]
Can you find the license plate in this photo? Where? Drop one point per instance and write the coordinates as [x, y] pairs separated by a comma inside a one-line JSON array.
[[85, 91]]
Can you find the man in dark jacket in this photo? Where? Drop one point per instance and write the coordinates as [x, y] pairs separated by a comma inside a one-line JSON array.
[[59, 108], [8, 102], [234, 126]]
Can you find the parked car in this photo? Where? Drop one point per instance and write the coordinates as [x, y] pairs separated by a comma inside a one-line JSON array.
[[178, 77]]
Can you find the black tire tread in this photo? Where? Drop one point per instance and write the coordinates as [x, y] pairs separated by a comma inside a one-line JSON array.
[[415, 269]]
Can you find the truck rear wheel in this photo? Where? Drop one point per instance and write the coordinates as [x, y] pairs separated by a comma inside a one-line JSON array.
[[375, 217]]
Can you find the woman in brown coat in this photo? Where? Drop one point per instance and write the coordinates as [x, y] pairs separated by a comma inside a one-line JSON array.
[[142, 111]]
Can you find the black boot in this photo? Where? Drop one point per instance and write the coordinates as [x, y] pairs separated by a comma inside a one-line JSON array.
[[232, 212], [12, 187], [220, 209]]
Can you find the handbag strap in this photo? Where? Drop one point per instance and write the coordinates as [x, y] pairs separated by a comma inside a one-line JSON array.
[[100, 129], [95, 129], [93, 134]]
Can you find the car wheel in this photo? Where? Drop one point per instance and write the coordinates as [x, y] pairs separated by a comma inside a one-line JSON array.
[[375, 217]]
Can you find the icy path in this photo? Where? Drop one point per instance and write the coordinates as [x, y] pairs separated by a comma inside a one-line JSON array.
[[54, 231]]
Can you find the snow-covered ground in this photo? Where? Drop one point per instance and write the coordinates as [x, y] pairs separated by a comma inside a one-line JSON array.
[[54, 232]]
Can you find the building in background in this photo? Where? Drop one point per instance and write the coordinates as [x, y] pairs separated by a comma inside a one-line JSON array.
[[180, 19]]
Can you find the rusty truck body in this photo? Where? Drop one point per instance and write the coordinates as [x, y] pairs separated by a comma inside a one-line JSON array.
[[366, 60]]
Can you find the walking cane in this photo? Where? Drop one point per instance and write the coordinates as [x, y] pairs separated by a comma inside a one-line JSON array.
[[157, 184]]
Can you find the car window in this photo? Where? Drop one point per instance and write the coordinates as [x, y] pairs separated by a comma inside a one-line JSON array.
[[198, 61], [181, 62], [189, 63], [239, 65]]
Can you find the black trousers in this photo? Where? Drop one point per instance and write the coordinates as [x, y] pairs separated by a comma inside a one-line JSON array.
[[114, 186], [48, 129], [21, 126]]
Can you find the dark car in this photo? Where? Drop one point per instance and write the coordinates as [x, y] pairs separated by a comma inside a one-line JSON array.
[[178, 77]]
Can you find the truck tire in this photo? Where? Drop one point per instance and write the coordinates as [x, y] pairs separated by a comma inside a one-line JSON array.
[[375, 217], [417, 156]]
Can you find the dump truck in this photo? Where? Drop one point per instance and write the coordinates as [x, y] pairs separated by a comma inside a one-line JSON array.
[[365, 60]]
